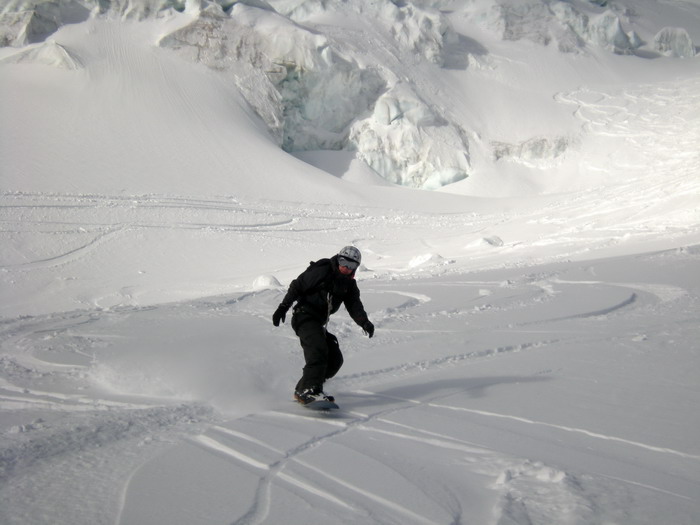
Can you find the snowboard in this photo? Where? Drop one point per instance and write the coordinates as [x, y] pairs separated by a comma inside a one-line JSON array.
[[321, 405]]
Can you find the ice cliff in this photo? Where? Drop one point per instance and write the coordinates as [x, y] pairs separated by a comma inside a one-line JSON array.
[[314, 94]]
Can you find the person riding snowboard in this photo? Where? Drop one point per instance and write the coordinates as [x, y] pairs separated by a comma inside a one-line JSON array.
[[318, 292]]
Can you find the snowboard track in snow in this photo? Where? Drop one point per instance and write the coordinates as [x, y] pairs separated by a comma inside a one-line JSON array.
[[275, 471]]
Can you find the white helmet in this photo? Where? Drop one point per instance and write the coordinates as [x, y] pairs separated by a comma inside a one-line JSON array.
[[352, 254]]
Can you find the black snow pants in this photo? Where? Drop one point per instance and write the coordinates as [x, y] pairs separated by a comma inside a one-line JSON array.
[[321, 351]]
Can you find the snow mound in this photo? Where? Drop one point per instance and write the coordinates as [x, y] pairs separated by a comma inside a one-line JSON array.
[[532, 490], [427, 260], [49, 54], [264, 282], [674, 42]]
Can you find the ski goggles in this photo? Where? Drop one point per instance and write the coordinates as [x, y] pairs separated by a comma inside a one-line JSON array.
[[348, 263]]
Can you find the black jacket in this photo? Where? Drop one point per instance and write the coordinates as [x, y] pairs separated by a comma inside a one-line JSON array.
[[321, 289]]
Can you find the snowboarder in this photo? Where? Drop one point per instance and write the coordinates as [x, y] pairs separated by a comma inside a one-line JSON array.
[[318, 292]]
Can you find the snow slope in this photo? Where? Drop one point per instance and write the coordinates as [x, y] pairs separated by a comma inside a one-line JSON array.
[[169, 167], [563, 393]]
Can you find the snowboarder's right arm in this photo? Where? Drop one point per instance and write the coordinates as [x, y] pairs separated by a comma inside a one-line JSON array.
[[291, 296]]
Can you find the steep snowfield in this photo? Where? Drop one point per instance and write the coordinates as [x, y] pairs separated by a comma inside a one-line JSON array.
[[166, 173]]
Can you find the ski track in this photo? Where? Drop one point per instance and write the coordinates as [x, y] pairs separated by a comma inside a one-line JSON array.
[[588, 433], [260, 508], [639, 117], [67, 257], [73, 229], [511, 475], [596, 435], [593, 313], [422, 366], [123, 214], [664, 292], [503, 469]]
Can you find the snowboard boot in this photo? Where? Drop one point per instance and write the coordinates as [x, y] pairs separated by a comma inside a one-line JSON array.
[[310, 395]]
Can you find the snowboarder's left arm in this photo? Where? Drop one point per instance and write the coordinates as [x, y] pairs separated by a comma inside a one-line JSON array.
[[356, 309]]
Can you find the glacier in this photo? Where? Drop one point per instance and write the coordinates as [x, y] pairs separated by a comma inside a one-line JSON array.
[[314, 90]]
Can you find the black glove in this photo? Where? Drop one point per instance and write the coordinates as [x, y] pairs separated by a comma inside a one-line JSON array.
[[368, 328], [280, 314]]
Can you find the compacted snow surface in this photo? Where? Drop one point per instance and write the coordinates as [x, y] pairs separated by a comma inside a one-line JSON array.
[[166, 172]]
